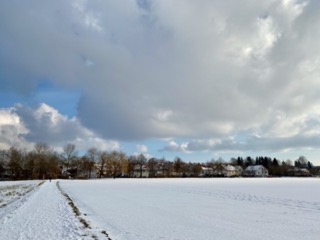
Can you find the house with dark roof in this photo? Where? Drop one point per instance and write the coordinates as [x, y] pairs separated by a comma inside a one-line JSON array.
[[256, 171], [239, 170]]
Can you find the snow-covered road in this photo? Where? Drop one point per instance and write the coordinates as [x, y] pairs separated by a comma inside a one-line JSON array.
[[44, 213]]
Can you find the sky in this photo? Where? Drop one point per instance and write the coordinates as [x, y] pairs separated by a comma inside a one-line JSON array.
[[200, 80]]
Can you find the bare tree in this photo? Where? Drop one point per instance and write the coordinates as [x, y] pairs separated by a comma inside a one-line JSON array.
[[178, 165], [141, 161], [3, 162], [69, 154], [130, 165], [42, 153], [92, 155], [301, 162], [103, 158], [117, 163], [15, 161], [86, 165], [42, 148], [152, 165]]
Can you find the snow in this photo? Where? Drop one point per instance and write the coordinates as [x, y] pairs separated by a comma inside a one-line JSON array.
[[286, 208], [43, 213], [11, 191], [239, 208]]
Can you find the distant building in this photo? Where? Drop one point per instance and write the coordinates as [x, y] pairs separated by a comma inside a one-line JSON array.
[[256, 171], [142, 171], [239, 170], [229, 171], [299, 172], [206, 172], [4, 172]]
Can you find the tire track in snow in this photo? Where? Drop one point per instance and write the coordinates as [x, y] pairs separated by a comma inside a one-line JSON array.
[[44, 215]]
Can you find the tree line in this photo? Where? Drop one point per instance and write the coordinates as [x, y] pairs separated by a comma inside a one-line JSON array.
[[275, 166], [43, 162]]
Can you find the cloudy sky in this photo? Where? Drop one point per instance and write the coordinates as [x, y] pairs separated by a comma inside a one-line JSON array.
[[196, 79]]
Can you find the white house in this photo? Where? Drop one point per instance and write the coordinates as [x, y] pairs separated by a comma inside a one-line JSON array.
[[256, 171], [229, 171], [299, 172], [141, 172], [206, 172]]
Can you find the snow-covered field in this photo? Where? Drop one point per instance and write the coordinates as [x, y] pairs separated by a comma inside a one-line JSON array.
[[146, 209], [11, 191]]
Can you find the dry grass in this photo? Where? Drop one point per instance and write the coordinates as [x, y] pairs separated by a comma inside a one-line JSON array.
[[77, 213], [11, 193]]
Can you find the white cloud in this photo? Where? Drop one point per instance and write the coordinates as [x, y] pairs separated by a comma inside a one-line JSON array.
[[142, 148], [255, 144], [163, 115], [197, 70], [22, 127], [89, 19], [12, 130], [173, 146]]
